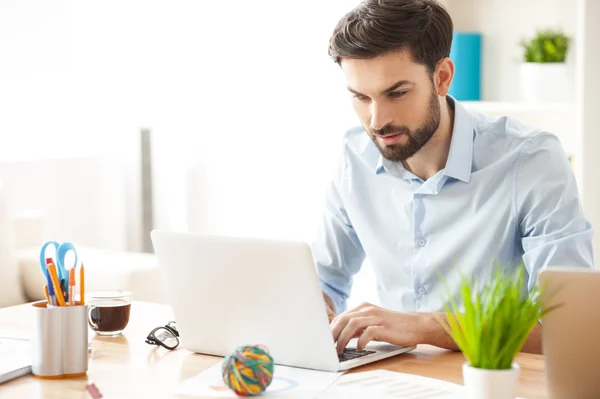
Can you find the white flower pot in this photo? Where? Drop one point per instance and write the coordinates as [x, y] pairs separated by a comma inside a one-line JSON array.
[[546, 82], [490, 384]]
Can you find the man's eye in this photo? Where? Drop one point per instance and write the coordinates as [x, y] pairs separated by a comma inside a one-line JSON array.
[[360, 97], [397, 94]]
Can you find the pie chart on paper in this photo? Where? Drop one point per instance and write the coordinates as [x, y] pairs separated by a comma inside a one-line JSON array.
[[278, 384]]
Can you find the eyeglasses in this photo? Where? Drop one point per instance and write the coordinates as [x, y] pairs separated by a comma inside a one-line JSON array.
[[167, 336]]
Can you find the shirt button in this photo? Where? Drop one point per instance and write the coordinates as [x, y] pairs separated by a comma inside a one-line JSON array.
[[422, 290], [421, 242]]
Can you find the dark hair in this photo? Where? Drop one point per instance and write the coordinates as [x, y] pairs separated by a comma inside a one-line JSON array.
[[378, 27]]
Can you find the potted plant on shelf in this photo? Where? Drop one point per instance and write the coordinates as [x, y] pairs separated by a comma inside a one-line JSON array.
[[490, 326], [544, 73]]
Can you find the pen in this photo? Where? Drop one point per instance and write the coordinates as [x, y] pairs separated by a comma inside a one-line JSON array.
[[64, 290], [72, 286], [57, 289], [50, 288]]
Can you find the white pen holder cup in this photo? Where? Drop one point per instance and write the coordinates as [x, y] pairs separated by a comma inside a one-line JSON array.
[[60, 341]]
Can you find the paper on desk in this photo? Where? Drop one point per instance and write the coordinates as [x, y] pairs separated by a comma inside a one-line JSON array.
[[288, 382], [15, 358], [383, 384]]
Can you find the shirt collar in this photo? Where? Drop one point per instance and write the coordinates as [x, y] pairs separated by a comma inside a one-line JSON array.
[[460, 156]]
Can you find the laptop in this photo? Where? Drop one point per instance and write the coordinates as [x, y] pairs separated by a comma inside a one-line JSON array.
[[571, 333], [232, 291]]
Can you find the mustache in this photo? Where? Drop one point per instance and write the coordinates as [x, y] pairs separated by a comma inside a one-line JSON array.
[[390, 131]]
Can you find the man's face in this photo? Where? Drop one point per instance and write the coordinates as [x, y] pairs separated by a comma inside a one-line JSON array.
[[396, 102]]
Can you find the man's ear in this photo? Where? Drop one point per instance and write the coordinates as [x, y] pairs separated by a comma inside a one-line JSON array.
[[443, 75]]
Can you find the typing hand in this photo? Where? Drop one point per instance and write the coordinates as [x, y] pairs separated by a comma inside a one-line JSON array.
[[371, 323]]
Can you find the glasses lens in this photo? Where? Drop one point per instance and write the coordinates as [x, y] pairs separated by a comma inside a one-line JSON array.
[[166, 337]]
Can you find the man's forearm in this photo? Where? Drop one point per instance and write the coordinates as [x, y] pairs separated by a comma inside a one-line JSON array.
[[434, 334]]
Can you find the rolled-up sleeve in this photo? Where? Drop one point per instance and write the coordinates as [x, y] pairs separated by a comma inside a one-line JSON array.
[[554, 230], [337, 251]]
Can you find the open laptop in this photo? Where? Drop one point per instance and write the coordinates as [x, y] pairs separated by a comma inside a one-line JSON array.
[[571, 333], [230, 291]]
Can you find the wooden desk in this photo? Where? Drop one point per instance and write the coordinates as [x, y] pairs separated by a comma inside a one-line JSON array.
[[127, 367]]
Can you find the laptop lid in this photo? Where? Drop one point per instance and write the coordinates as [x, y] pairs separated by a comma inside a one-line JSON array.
[[215, 284], [571, 333]]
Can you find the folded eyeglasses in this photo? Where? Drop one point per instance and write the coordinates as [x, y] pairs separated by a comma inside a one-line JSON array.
[[166, 336]]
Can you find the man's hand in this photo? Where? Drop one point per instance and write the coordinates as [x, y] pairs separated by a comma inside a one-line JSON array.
[[330, 307], [371, 323]]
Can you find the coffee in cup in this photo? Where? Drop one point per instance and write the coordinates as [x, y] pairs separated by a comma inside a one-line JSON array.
[[109, 311]]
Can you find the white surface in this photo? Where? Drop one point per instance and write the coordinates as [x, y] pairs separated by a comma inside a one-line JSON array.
[[288, 382], [384, 384], [490, 384]]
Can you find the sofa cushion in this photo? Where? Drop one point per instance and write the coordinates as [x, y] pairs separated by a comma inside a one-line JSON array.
[[104, 270], [11, 292]]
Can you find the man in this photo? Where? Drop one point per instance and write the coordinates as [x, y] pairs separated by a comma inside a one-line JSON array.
[[424, 187]]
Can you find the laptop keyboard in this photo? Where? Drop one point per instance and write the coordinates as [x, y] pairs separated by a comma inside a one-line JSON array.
[[350, 354]]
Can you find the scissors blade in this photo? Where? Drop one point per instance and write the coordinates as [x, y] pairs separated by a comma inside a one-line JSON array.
[[61, 253]]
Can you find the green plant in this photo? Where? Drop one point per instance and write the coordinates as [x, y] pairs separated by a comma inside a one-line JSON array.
[[546, 46], [496, 319]]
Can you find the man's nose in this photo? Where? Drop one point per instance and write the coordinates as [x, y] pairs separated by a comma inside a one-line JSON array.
[[381, 116]]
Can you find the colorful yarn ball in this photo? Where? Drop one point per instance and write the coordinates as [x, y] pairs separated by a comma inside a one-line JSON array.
[[248, 371]]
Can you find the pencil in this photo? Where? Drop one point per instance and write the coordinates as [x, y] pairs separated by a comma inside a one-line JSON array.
[[46, 294], [72, 286], [57, 290], [81, 285]]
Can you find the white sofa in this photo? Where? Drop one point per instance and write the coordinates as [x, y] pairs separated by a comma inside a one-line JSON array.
[[21, 278], [104, 270]]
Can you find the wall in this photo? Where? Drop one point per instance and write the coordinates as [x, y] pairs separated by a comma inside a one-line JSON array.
[[255, 103], [79, 199]]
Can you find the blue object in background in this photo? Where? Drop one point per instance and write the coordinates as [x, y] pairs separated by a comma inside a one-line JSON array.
[[466, 54]]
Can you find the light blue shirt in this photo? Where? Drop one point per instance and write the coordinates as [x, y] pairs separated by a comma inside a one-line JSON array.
[[507, 196]]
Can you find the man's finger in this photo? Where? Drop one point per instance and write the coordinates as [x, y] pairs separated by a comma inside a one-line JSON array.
[[330, 314], [353, 328], [371, 333], [339, 322]]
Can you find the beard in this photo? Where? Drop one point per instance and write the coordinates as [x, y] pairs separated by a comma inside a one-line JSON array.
[[416, 139]]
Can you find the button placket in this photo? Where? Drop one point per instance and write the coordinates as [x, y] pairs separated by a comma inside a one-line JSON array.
[[418, 243]]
